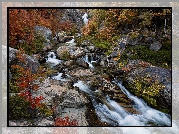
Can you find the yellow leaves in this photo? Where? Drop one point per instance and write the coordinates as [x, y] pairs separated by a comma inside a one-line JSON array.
[[118, 57]]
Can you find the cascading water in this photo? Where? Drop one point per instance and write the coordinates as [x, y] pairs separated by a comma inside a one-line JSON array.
[[52, 59], [60, 77], [90, 62], [85, 18], [165, 24], [111, 112], [149, 114]]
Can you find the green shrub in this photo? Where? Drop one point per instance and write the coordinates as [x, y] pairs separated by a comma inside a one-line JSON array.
[[160, 58], [18, 107], [36, 46], [64, 55]]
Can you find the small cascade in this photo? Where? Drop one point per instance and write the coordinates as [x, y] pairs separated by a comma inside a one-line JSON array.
[[52, 59], [88, 58], [111, 112], [71, 41], [165, 24], [60, 77], [85, 19], [148, 113]]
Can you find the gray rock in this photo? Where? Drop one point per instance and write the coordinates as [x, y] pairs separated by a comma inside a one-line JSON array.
[[91, 48], [39, 57], [72, 99], [82, 63], [155, 74], [45, 32], [103, 63], [114, 54], [48, 46], [46, 122], [74, 52], [155, 46], [86, 43], [68, 63], [122, 45], [29, 61]]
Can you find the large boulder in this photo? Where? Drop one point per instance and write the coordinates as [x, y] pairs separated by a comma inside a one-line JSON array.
[[82, 63], [29, 62], [45, 32], [151, 83], [72, 52]]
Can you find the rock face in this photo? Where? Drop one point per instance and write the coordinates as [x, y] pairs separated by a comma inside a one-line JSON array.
[[154, 83], [45, 32], [29, 61], [73, 51], [66, 101], [47, 46], [74, 16], [155, 46], [82, 63]]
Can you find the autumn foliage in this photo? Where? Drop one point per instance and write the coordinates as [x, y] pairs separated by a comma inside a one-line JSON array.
[[22, 84], [23, 21], [65, 122]]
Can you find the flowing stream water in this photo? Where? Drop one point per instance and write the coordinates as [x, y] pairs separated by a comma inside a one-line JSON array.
[[109, 110]]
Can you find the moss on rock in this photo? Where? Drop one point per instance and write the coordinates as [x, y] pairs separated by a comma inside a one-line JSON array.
[[149, 90]]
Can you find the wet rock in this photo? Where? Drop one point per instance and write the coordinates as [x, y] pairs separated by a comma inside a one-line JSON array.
[[91, 48], [85, 43], [95, 82], [78, 73], [82, 63], [155, 46], [69, 63], [104, 62]]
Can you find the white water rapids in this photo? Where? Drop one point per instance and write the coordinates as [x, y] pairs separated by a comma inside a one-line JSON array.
[[52, 59], [85, 58], [110, 111], [115, 115]]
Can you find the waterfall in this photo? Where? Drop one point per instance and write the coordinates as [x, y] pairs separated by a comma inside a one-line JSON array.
[[86, 59], [111, 112], [165, 24], [60, 77], [148, 113], [84, 17], [52, 59]]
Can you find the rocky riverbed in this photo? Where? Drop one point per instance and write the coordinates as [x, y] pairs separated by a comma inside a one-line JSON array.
[[89, 84], [85, 88]]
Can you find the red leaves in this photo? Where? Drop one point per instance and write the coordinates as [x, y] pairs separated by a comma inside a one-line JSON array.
[[35, 87], [65, 122], [22, 22], [34, 102]]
